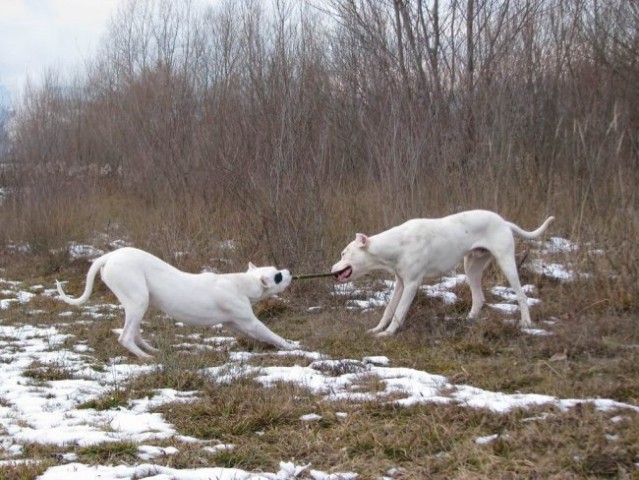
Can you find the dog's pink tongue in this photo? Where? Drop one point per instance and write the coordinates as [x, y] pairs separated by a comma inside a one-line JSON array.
[[344, 274]]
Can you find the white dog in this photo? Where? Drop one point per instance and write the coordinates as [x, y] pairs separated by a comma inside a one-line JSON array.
[[139, 280], [431, 247]]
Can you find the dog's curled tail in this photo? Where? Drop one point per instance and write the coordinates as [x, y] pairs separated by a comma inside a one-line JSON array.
[[535, 233], [97, 264]]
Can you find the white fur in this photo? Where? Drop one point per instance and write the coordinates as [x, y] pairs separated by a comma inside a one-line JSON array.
[[431, 247], [139, 280]]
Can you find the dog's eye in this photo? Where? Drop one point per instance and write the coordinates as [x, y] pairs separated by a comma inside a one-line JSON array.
[[278, 277]]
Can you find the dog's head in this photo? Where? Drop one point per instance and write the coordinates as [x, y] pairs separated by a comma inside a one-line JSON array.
[[271, 279], [356, 260]]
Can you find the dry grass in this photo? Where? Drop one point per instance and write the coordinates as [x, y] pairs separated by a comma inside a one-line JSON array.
[[291, 152], [592, 353]]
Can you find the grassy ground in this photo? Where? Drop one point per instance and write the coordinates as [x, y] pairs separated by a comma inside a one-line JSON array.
[[593, 352]]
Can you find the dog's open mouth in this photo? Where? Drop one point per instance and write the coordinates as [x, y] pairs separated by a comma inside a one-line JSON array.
[[343, 274]]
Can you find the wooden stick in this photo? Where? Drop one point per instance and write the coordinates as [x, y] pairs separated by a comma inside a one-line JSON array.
[[312, 275]]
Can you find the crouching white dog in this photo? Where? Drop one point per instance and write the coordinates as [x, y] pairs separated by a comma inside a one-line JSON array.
[[139, 280], [431, 247]]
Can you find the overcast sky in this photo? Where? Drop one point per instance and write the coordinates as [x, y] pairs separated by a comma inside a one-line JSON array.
[[39, 34]]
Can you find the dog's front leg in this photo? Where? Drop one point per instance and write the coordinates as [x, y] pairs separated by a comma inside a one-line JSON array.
[[390, 307], [251, 326], [409, 291]]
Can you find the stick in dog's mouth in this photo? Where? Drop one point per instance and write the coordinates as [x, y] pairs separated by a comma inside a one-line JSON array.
[[314, 275]]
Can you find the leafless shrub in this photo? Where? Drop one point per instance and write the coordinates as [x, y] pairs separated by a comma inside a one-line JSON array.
[[286, 127]]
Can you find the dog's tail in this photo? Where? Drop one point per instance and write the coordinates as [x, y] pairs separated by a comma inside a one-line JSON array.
[[97, 264], [535, 233]]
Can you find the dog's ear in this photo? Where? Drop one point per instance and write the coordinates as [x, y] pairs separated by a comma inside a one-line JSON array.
[[264, 281], [251, 266], [361, 239]]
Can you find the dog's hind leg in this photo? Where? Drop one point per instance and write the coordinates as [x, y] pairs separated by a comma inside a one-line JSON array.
[[506, 261], [475, 262], [135, 306], [391, 307], [140, 342], [130, 289], [133, 314]]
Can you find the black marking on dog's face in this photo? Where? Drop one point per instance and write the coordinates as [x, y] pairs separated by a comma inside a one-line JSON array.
[[278, 277]]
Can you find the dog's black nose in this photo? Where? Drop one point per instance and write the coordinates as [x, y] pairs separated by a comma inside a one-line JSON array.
[[278, 277]]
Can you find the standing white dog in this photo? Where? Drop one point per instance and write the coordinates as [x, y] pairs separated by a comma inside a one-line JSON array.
[[139, 280], [431, 247]]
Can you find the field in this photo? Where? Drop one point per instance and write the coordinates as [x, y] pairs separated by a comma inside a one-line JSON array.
[[444, 398], [272, 132]]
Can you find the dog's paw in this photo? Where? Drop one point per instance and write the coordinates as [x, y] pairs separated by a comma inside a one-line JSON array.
[[373, 331], [291, 345], [383, 334]]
